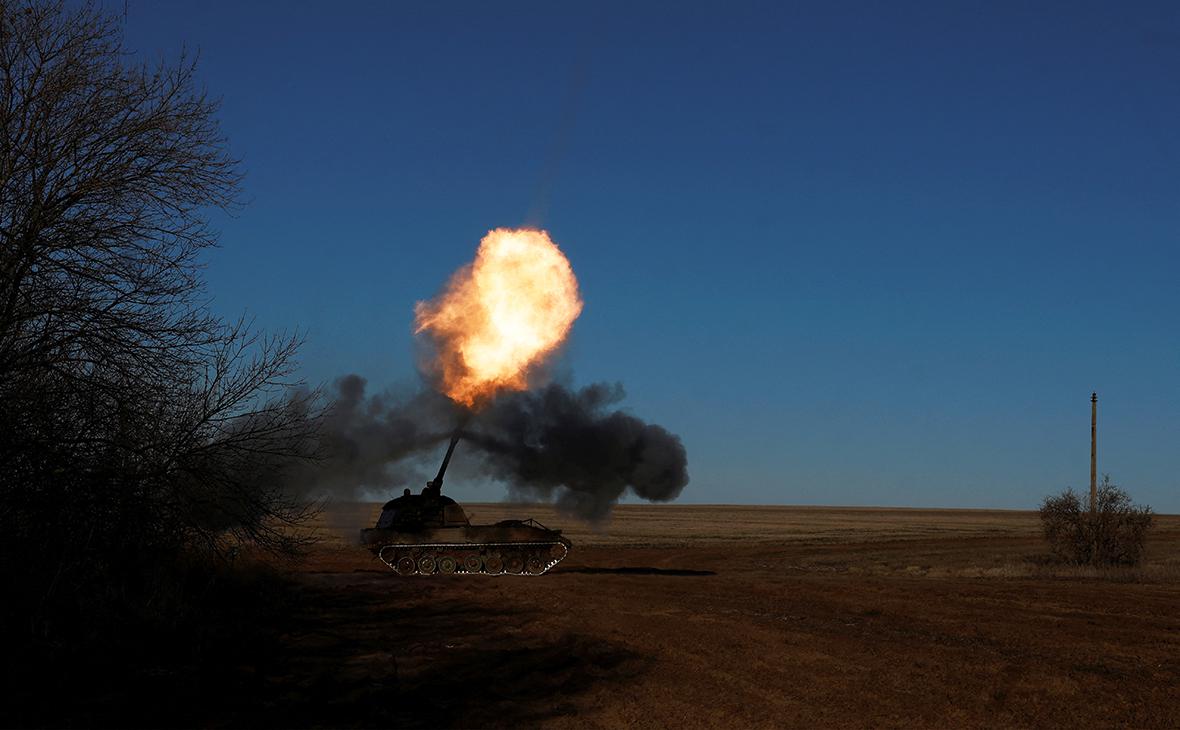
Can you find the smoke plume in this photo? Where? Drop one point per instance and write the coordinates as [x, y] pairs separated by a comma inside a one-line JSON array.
[[571, 446], [367, 444], [574, 447]]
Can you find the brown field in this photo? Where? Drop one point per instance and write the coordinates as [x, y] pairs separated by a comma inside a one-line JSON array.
[[722, 616]]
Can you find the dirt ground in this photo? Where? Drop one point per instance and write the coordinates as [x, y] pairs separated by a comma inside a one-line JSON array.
[[698, 616]]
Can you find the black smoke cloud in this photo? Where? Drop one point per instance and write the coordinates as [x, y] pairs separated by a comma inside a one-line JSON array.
[[571, 446], [369, 443]]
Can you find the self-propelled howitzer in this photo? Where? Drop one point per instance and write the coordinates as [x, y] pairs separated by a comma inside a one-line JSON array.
[[428, 533]]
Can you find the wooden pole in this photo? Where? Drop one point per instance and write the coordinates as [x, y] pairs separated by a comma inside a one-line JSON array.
[[1093, 453]]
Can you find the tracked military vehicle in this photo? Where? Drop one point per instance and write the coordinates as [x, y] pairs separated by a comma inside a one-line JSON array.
[[429, 534]]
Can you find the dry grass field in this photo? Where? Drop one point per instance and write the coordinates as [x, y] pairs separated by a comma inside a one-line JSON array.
[[722, 616]]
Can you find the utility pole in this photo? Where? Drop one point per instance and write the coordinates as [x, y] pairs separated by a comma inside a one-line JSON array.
[[1093, 453]]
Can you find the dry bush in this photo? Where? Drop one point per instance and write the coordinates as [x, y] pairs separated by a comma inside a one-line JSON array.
[[1113, 534]]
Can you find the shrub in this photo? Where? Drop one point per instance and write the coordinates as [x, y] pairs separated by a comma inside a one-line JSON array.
[[1114, 534]]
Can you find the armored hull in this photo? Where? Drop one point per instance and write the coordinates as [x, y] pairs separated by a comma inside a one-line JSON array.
[[512, 547]]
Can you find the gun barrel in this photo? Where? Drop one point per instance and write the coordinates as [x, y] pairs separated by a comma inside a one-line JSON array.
[[442, 470]]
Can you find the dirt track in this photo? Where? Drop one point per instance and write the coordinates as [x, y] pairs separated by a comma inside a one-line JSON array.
[[728, 617]]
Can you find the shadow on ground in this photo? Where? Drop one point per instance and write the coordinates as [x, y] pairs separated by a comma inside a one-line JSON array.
[[360, 657], [636, 571]]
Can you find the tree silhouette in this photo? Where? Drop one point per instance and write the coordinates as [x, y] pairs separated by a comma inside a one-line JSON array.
[[134, 423]]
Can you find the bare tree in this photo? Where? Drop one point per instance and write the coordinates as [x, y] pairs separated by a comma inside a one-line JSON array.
[[129, 413]]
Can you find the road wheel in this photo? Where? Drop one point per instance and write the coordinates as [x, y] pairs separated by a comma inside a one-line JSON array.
[[514, 564], [388, 555], [447, 564], [405, 565], [535, 565], [426, 564], [492, 565], [472, 564]]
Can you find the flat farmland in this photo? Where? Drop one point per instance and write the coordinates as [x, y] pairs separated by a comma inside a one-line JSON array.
[[727, 616]]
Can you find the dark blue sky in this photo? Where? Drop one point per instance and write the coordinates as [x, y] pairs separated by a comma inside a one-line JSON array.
[[854, 253]]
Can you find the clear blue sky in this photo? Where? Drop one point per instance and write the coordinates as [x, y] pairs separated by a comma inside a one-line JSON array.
[[853, 253]]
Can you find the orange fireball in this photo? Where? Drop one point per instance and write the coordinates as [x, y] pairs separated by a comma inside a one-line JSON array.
[[501, 315]]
